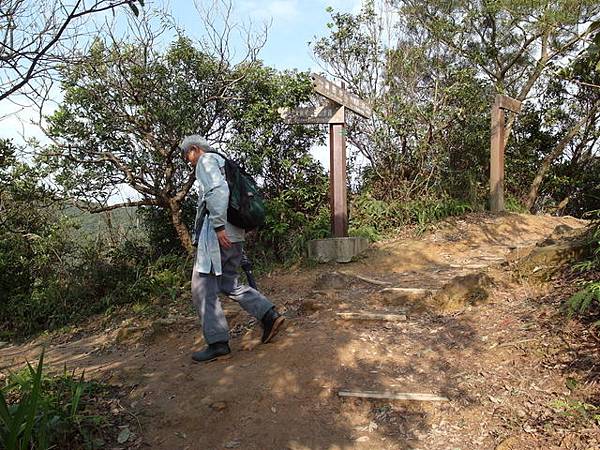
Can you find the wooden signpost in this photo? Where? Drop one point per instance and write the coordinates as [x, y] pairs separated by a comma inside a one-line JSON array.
[[334, 114], [501, 104]]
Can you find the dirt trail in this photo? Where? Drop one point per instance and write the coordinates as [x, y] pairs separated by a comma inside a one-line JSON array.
[[486, 359]]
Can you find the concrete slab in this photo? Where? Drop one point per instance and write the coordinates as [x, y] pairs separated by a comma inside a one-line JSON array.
[[341, 249]]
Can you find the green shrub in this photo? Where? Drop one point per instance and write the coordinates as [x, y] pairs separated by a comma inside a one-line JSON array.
[[376, 218], [286, 231], [367, 232], [585, 299], [43, 412], [513, 204], [95, 276], [577, 409]]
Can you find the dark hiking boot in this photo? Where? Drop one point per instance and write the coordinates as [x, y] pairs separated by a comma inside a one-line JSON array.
[[213, 351], [271, 323]]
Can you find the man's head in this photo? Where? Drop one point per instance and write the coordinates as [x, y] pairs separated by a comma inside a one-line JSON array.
[[193, 147]]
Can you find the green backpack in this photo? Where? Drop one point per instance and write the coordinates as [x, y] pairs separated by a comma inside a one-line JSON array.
[[246, 208]]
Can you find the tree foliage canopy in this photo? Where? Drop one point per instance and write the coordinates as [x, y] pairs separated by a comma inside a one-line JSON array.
[[127, 107]]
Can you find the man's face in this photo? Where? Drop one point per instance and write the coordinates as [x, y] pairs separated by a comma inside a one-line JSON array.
[[192, 154]]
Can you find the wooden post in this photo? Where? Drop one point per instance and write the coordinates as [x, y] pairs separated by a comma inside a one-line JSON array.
[[497, 159], [501, 103], [337, 180], [334, 114]]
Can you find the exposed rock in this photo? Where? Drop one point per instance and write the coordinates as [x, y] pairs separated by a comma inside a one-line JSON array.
[[542, 262], [562, 229], [396, 296], [309, 306], [251, 339], [207, 401], [128, 333], [462, 291], [331, 280], [510, 443], [218, 406], [160, 326], [518, 442], [166, 321], [559, 233]]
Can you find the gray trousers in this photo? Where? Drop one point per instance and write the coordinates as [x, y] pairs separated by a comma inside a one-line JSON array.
[[205, 290]]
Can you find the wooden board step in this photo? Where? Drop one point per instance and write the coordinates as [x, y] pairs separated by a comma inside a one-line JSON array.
[[407, 291], [365, 279], [389, 395], [371, 316]]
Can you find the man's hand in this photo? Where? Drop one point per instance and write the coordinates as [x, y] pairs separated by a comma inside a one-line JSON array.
[[223, 239]]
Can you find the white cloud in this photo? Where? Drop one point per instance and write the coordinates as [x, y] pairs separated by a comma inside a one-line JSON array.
[[276, 10], [352, 6], [19, 123]]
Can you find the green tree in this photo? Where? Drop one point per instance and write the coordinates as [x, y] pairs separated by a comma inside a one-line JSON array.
[[127, 106], [428, 110], [512, 43], [35, 37], [32, 236], [517, 45]]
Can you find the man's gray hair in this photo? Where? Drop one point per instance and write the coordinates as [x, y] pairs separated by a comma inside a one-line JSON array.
[[194, 139]]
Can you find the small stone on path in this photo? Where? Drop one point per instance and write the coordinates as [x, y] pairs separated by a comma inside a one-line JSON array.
[[218, 406]]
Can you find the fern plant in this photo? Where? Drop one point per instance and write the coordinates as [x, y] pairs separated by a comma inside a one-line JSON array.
[[583, 300], [589, 296]]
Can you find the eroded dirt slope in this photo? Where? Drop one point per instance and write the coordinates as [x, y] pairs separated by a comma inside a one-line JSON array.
[[495, 360]]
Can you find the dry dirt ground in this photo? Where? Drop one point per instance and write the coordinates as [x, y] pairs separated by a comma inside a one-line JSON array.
[[503, 359]]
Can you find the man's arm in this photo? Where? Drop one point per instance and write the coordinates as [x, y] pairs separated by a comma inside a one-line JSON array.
[[216, 194], [199, 220]]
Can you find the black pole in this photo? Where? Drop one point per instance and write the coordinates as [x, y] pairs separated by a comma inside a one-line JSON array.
[[247, 268]]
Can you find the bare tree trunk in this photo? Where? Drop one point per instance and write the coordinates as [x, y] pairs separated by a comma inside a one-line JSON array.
[[550, 157], [562, 205], [180, 227]]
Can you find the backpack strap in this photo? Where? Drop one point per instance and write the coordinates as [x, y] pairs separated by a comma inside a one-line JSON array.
[[220, 154]]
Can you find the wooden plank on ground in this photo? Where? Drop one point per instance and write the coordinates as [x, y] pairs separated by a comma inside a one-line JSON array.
[[365, 279], [371, 316], [410, 291], [388, 395], [468, 266]]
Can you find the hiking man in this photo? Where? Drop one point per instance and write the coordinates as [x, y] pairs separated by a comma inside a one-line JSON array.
[[219, 255]]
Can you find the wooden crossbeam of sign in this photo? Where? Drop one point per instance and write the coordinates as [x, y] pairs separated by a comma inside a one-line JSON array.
[[337, 94], [323, 114], [505, 102]]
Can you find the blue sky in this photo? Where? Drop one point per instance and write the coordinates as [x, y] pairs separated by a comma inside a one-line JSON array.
[[293, 23]]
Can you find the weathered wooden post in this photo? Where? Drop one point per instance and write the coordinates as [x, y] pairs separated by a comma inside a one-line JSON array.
[[333, 113], [501, 103], [338, 177]]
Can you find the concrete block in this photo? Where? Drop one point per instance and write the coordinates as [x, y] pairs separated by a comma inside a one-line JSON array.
[[336, 249]]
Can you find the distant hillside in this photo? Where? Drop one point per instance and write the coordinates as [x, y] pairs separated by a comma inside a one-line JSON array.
[[94, 223]]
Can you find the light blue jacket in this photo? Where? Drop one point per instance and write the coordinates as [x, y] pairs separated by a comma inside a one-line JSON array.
[[211, 213]]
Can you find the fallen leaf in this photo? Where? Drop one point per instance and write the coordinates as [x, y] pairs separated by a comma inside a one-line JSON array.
[[494, 400], [124, 435]]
